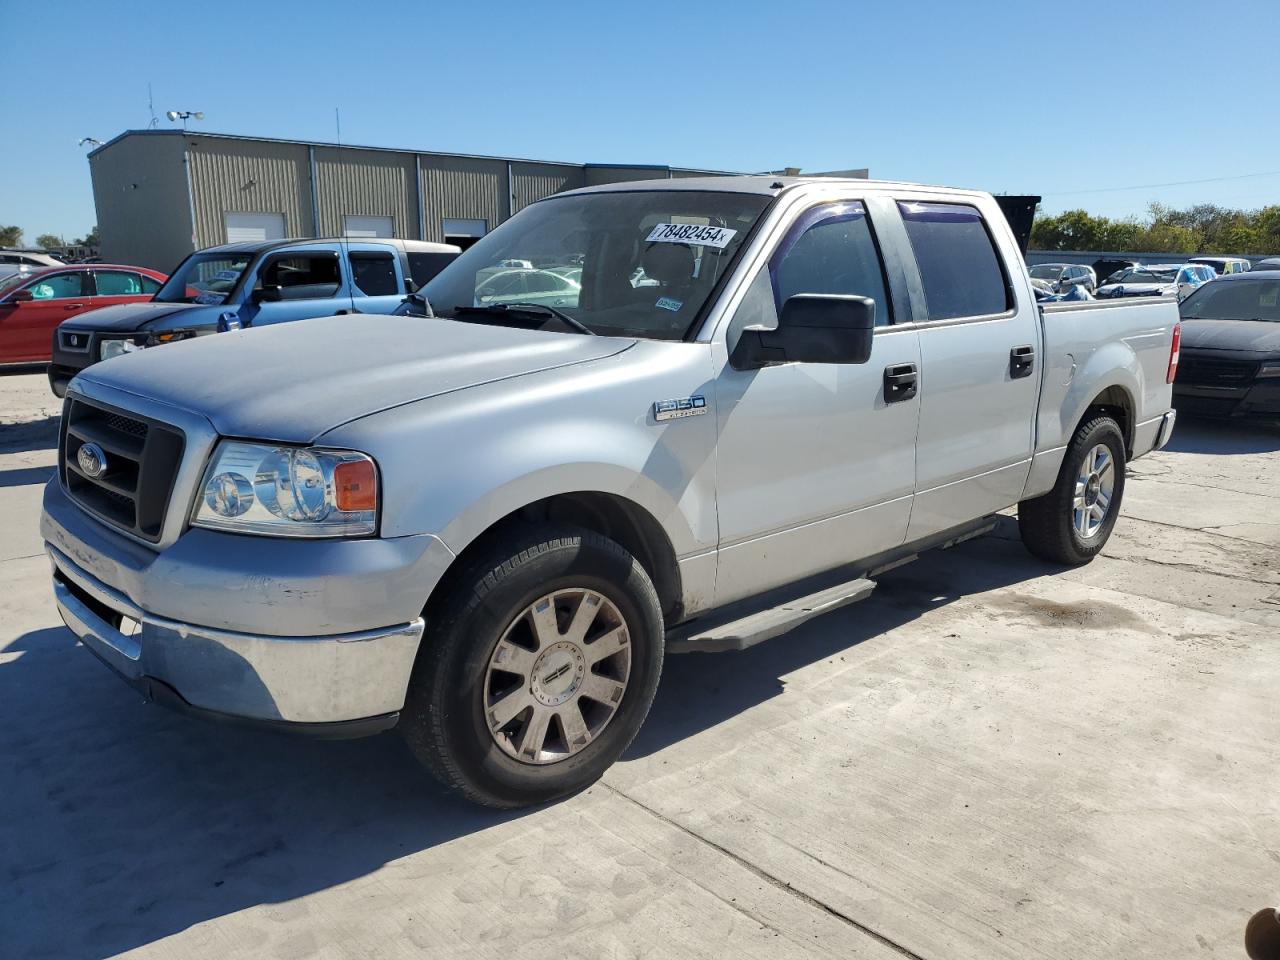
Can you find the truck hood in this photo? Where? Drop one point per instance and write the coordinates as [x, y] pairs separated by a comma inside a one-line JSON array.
[[127, 317], [1254, 336], [293, 382]]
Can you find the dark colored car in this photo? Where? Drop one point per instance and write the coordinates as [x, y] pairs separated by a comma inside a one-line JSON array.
[[1230, 363], [1104, 267], [33, 304]]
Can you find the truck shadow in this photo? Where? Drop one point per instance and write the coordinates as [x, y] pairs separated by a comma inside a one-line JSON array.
[[29, 435], [125, 824], [1223, 437]]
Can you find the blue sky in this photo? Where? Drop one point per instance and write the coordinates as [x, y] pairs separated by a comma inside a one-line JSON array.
[[1065, 100]]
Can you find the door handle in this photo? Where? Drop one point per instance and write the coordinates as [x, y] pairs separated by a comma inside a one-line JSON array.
[[72, 306], [901, 382], [1021, 361]]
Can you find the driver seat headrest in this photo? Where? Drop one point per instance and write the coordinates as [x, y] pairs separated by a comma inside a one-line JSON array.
[[669, 263]]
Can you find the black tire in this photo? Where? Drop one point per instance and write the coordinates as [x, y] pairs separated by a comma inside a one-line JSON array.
[[1046, 523], [444, 719]]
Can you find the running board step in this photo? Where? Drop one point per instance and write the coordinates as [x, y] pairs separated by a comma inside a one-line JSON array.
[[765, 625]]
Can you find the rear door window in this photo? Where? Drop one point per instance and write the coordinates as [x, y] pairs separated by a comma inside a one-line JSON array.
[[831, 250], [117, 283], [960, 270], [374, 274]]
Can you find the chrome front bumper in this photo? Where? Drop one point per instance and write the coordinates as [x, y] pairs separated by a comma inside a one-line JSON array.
[[353, 679]]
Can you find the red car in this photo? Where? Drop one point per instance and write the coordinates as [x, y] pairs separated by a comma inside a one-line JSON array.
[[32, 305]]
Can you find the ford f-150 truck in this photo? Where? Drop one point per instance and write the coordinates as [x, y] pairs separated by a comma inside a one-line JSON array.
[[486, 523]]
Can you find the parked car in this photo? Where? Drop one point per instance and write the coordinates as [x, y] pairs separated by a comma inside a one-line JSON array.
[[1061, 276], [514, 512], [1230, 364], [32, 305], [1270, 263], [24, 262], [529, 286], [252, 284], [1224, 265], [1157, 280]]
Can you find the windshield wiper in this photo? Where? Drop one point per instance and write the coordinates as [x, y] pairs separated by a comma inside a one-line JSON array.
[[501, 308]]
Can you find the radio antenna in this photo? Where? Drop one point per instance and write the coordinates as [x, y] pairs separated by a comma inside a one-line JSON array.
[[151, 105]]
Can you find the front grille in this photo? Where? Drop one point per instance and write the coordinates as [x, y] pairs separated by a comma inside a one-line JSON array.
[[1214, 372], [141, 457]]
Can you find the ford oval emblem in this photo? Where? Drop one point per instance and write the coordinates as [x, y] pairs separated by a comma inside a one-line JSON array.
[[92, 460]]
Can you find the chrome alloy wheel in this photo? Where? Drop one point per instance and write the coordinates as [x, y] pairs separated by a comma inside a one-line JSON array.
[[557, 676], [1095, 485]]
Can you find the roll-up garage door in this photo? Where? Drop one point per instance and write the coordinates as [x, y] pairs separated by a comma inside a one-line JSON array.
[[252, 227]]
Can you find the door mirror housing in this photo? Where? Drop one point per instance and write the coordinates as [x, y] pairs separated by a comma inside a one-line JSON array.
[[812, 328], [272, 293], [21, 296]]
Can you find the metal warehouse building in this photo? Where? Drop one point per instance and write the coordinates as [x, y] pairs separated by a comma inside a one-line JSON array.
[[162, 193]]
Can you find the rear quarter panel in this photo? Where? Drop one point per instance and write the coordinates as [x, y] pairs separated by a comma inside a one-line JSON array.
[[1091, 347]]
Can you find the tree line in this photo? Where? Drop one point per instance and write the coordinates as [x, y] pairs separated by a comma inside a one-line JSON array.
[[12, 237], [1204, 228]]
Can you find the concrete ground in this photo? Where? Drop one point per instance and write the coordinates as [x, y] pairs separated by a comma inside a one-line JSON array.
[[990, 758]]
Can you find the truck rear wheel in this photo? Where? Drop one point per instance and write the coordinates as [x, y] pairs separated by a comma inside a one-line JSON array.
[[537, 669], [1071, 523]]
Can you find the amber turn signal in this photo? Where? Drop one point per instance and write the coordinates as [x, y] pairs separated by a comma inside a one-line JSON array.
[[355, 486]]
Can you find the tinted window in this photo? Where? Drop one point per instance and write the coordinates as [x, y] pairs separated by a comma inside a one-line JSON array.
[[149, 286], [831, 250], [114, 283], [959, 267], [424, 266], [56, 286], [375, 274], [304, 276]]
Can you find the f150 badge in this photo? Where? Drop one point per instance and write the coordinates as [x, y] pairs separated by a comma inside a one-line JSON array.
[[679, 409]]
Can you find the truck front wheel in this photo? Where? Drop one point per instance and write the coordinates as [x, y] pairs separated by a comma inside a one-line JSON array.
[[1071, 523], [538, 667]]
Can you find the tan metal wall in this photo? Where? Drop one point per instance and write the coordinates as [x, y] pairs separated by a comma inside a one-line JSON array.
[[249, 176], [533, 181], [466, 188], [140, 192], [367, 183]]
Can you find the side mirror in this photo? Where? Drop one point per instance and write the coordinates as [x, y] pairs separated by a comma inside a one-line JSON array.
[[21, 296], [268, 294], [812, 328], [410, 286]]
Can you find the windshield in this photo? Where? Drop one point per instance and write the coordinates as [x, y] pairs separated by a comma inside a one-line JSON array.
[[1234, 300], [632, 263], [1046, 271], [1144, 275], [204, 278]]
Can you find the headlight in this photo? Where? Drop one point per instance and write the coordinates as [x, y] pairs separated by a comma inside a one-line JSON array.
[[1269, 370], [113, 348], [288, 491]]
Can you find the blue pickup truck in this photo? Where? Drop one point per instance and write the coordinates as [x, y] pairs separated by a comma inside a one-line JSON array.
[[251, 285]]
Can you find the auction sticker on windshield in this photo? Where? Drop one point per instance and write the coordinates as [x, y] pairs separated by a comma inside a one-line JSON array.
[[691, 233]]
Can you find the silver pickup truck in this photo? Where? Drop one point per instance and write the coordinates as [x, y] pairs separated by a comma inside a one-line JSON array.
[[485, 521]]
